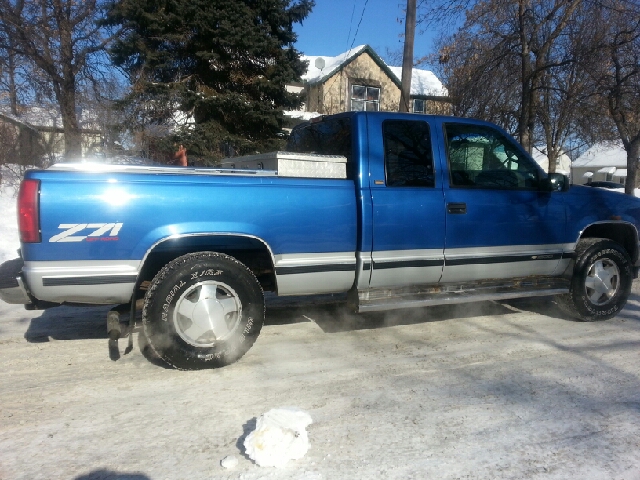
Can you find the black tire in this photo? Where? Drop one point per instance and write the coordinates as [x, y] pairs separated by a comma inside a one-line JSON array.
[[601, 283], [203, 310]]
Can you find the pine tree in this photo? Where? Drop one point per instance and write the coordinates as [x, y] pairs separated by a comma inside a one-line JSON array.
[[223, 62]]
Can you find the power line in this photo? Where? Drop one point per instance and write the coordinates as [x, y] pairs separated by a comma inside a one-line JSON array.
[[351, 21], [364, 7]]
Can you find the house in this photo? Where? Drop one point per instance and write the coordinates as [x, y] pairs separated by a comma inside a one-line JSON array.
[[604, 161], [563, 162], [36, 135], [20, 143], [360, 80]]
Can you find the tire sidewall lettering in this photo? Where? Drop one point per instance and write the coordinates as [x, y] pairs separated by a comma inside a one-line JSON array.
[[169, 298], [173, 281], [588, 309]]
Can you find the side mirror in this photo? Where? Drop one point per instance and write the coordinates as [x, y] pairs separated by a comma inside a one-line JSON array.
[[555, 182]]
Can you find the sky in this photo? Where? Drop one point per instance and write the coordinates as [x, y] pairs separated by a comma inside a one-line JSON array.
[[332, 28]]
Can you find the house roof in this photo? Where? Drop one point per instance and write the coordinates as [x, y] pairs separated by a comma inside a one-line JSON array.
[[15, 121], [47, 118], [609, 154], [334, 64], [423, 82]]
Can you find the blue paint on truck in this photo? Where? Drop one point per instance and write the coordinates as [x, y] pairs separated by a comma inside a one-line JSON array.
[[432, 210]]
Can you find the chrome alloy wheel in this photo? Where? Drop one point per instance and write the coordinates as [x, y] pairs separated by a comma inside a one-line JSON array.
[[208, 312], [602, 282]]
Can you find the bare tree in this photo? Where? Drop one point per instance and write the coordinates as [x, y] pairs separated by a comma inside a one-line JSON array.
[[564, 91], [614, 65], [63, 41], [9, 73], [509, 47]]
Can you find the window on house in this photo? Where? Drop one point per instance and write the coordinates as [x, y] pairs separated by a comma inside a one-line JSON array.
[[365, 98], [609, 177], [419, 106]]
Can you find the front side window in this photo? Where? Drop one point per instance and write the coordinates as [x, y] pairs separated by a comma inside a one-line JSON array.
[[482, 157], [407, 154], [365, 99]]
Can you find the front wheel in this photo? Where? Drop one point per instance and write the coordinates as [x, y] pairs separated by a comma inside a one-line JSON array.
[[203, 310], [601, 281]]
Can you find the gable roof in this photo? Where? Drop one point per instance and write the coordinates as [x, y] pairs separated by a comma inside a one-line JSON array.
[[335, 64], [609, 154], [15, 121], [423, 82], [48, 118]]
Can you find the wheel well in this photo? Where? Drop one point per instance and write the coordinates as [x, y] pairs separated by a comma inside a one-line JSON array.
[[249, 251], [621, 233]]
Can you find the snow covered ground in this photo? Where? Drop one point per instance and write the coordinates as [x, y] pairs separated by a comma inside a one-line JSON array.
[[484, 391], [9, 238]]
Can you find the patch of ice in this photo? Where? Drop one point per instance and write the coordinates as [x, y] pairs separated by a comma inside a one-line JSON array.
[[280, 436]]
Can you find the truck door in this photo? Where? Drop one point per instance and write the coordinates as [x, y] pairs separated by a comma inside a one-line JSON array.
[[407, 200], [499, 223]]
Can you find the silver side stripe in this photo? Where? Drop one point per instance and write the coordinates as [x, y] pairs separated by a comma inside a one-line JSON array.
[[509, 250], [306, 273], [290, 264], [407, 258], [107, 281]]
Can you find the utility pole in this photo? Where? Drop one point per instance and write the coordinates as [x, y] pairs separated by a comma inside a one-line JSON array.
[[407, 56]]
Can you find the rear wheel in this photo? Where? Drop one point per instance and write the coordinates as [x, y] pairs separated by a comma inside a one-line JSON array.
[[203, 310], [601, 281]]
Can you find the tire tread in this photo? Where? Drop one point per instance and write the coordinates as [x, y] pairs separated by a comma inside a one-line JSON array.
[[159, 279], [566, 302]]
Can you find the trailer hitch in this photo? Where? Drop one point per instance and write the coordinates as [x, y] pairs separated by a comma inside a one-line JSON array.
[[117, 329]]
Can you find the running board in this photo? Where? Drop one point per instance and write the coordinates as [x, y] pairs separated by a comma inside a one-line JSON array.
[[378, 299]]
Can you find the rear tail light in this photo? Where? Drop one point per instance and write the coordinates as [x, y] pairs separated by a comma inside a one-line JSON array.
[[29, 211]]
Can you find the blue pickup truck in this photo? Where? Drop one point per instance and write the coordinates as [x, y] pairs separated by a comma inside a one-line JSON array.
[[430, 210]]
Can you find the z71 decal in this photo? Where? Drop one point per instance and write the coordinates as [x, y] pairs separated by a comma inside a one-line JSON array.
[[94, 232]]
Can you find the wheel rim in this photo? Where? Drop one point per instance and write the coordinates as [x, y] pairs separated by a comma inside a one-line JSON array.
[[602, 282], [207, 313]]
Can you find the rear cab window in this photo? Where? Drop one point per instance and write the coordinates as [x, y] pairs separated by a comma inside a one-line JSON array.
[[325, 137]]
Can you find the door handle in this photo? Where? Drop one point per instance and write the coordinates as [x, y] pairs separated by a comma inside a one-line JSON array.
[[457, 208]]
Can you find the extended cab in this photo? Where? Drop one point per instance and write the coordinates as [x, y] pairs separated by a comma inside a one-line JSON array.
[[426, 210]]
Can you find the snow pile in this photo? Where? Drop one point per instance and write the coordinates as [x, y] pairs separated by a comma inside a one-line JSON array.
[[229, 462], [9, 225], [301, 115], [279, 436]]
